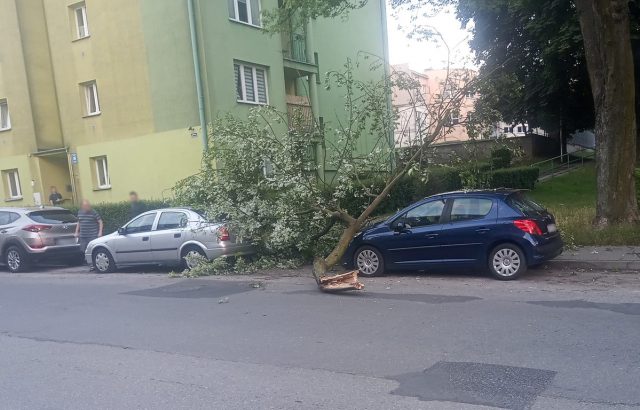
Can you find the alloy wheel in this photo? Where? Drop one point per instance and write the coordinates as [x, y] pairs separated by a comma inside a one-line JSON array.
[[368, 262], [13, 260], [506, 262]]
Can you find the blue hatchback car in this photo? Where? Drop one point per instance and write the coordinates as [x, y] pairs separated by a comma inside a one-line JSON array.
[[499, 230]]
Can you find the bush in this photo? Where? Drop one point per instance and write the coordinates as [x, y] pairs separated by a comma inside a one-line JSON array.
[[519, 178], [501, 158], [114, 215]]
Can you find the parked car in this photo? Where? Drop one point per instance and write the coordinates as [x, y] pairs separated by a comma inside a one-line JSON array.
[[171, 236], [34, 235], [499, 230]]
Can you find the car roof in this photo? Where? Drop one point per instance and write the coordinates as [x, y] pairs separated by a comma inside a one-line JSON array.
[[498, 192], [27, 209]]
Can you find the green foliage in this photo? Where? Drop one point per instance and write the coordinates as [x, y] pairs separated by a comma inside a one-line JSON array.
[[520, 178], [235, 266], [501, 158], [114, 215]]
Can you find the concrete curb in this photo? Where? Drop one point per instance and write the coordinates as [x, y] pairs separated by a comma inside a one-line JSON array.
[[599, 257]]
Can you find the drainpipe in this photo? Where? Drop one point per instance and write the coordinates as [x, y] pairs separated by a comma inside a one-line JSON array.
[[198, 75]]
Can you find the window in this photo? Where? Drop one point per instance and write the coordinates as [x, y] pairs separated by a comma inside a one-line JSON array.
[[519, 128], [5, 121], [92, 105], [7, 218], [12, 181], [424, 215], [143, 223], [172, 220], [455, 118], [465, 209], [506, 130], [251, 84], [245, 11], [80, 18], [102, 173]]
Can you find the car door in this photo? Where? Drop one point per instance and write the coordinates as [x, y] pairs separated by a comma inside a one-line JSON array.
[[417, 243], [168, 235], [5, 223], [134, 245], [471, 223]]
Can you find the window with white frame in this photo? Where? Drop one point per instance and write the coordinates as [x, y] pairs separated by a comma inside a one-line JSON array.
[[251, 83], [80, 18], [92, 104], [12, 181], [245, 11], [5, 121], [101, 173], [455, 118]]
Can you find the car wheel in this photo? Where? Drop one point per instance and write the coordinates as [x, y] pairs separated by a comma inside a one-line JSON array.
[[190, 256], [507, 262], [16, 259], [103, 261], [369, 261]]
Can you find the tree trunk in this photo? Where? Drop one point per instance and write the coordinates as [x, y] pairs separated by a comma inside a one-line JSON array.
[[607, 41]]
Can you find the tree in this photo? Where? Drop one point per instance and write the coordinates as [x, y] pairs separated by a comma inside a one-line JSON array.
[[269, 187], [607, 40]]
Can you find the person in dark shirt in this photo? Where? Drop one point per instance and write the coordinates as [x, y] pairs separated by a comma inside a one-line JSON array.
[[55, 198], [89, 225], [137, 206]]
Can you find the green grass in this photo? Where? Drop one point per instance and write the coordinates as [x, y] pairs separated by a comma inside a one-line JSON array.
[[571, 198]]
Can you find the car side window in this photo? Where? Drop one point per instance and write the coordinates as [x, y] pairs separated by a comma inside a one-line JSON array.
[[467, 209], [142, 223], [5, 218], [172, 220], [426, 214]]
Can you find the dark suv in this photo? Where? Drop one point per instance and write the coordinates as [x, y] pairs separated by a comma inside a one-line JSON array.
[[499, 230], [32, 235]]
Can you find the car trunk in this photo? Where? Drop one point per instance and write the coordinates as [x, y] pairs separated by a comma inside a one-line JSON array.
[[61, 227], [530, 209]]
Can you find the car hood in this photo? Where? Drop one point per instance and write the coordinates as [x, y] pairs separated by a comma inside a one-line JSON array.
[[104, 239]]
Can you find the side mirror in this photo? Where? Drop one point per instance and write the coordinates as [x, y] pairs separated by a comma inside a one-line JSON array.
[[400, 226], [122, 231]]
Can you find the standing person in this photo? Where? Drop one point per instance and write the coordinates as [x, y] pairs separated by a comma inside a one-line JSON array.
[[55, 198], [89, 225], [137, 206]]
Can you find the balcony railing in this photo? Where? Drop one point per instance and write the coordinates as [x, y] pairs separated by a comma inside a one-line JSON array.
[[299, 114], [295, 47]]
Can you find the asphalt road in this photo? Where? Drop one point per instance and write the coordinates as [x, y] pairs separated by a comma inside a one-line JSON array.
[[553, 340]]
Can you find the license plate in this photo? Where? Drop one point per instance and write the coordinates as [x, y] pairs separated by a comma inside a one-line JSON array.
[[551, 228], [66, 241]]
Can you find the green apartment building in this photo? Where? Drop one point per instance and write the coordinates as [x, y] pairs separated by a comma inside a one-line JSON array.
[[101, 97]]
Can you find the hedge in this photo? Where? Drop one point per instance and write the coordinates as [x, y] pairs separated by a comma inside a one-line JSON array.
[[501, 158], [114, 215], [519, 178]]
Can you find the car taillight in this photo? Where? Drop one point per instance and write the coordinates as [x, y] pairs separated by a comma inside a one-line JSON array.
[[36, 228], [223, 233], [528, 225]]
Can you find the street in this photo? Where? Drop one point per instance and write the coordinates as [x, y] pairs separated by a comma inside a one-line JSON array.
[[552, 340]]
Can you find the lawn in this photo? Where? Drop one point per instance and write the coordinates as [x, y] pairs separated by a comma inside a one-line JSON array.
[[571, 198]]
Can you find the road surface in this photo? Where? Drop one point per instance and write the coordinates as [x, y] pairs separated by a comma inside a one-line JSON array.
[[553, 340]]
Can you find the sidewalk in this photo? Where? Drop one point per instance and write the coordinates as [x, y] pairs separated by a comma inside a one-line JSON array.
[[600, 257]]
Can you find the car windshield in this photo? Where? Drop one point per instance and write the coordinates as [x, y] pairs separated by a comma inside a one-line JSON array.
[[53, 217], [525, 205]]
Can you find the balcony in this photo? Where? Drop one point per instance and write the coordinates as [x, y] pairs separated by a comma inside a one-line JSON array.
[[300, 114], [295, 53]]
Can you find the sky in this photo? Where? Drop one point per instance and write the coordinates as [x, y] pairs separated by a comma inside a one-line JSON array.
[[421, 55]]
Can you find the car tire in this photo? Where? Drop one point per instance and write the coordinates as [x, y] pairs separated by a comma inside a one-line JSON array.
[[507, 262], [16, 259], [369, 261], [103, 261], [190, 250]]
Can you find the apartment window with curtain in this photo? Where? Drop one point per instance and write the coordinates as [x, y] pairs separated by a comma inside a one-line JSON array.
[[251, 83], [12, 184], [101, 176], [5, 121], [245, 11], [91, 101], [79, 16]]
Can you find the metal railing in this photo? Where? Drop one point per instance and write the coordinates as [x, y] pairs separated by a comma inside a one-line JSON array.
[[556, 166]]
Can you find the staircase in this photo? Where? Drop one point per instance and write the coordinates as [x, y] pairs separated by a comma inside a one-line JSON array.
[[563, 164]]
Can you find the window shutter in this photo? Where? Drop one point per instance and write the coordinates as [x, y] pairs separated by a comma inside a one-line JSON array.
[[262, 86], [248, 84]]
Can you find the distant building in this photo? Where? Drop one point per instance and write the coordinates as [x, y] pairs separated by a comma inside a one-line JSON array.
[[99, 97]]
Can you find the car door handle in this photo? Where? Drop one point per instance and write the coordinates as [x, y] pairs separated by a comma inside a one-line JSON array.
[[145, 238], [177, 235], [431, 235], [483, 230]]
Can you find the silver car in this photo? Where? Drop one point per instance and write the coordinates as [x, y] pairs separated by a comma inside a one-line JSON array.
[[34, 235], [171, 236]]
